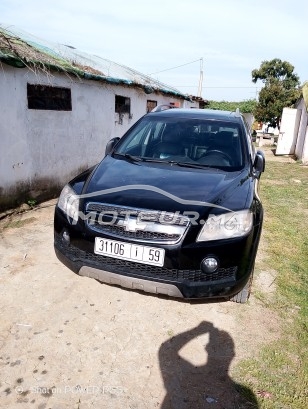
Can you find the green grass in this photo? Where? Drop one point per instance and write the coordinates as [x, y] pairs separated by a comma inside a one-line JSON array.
[[281, 368]]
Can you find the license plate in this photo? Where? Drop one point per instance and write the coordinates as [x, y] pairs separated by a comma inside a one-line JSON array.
[[128, 251]]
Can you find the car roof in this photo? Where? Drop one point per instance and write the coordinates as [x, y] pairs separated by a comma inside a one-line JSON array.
[[198, 113]]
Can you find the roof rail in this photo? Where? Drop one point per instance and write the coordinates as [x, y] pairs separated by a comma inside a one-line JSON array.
[[163, 107], [237, 112]]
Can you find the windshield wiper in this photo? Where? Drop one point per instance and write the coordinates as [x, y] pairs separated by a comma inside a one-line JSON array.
[[190, 165], [157, 160], [174, 162], [139, 159], [129, 156], [154, 160]]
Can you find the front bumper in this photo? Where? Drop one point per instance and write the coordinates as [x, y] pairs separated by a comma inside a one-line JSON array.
[[176, 282]]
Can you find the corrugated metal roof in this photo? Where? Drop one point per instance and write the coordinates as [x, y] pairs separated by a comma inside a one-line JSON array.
[[21, 49]]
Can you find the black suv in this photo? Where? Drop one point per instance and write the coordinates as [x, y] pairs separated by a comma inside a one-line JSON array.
[[171, 209]]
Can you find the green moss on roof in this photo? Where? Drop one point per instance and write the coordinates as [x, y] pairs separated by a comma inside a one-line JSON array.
[[18, 53]]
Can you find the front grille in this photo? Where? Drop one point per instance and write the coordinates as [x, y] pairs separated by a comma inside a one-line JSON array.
[[138, 269], [137, 235], [142, 225]]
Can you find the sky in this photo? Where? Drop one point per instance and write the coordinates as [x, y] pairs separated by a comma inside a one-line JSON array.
[[168, 39]]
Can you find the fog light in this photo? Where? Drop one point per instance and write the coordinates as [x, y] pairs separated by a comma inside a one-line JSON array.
[[66, 236], [209, 264]]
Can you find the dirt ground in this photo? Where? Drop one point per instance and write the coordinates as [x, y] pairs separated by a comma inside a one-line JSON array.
[[70, 342]]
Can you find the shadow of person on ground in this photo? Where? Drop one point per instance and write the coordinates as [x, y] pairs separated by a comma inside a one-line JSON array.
[[205, 386]]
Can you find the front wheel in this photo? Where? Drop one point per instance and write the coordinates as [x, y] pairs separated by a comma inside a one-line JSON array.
[[244, 294]]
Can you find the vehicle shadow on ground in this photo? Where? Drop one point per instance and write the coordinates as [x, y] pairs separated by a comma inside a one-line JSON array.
[[206, 386]]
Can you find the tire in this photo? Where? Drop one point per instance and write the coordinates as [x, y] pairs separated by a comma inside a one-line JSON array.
[[243, 296]]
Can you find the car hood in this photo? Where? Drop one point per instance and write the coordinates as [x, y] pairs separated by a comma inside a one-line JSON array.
[[160, 186]]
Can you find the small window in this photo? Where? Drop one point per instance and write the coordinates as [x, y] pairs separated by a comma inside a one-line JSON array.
[[175, 104], [50, 98], [151, 105], [122, 105]]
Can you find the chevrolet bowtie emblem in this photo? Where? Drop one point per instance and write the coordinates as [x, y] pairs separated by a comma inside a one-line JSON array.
[[131, 224]]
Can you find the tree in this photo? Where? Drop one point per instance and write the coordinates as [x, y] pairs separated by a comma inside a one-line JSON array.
[[281, 89]]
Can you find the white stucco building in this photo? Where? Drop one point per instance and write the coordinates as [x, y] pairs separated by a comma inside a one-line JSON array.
[[59, 107], [293, 135]]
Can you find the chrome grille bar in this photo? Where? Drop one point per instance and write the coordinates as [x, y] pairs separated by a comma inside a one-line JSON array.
[[142, 225]]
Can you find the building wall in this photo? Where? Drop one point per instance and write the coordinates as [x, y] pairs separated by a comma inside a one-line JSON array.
[[304, 157], [43, 149], [301, 147], [290, 122], [249, 119]]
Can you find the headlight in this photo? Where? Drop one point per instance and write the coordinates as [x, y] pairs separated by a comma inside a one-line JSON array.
[[226, 226], [69, 202]]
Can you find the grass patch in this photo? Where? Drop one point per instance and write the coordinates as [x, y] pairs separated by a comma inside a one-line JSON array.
[[279, 375]]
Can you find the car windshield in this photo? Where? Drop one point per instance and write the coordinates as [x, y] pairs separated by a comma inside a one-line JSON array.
[[201, 143]]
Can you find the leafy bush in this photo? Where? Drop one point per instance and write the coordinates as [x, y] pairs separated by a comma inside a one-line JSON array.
[[246, 107]]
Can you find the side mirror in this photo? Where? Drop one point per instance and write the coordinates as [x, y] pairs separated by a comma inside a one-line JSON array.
[[259, 163], [111, 144]]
